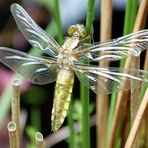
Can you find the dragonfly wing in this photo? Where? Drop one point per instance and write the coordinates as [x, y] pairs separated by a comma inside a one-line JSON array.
[[116, 49], [37, 70], [105, 80], [36, 36]]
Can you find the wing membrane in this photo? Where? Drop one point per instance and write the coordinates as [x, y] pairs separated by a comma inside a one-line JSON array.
[[103, 80], [37, 70], [117, 49], [33, 33]]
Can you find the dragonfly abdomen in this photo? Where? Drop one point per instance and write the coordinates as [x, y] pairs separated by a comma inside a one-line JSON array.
[[63, 90]]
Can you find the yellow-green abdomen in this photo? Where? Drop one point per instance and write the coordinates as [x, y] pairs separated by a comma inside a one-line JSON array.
[[63, 90]]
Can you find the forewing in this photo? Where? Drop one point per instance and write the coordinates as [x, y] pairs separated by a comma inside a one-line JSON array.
[[36, 36], [37, 70], [103, 80], [117, 49]]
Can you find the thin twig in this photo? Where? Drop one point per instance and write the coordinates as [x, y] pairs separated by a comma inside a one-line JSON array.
[[102, 100], [16, 107], [39, 140], [13, 142], [137, 121]]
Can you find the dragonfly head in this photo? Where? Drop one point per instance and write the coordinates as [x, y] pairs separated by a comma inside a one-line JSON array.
[[77, 30]]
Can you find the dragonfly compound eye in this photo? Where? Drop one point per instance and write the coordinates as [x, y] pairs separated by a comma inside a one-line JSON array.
[[72, 30], [78, 30], [82, 34]]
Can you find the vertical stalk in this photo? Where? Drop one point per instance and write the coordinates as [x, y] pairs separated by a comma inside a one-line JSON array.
[[71, 141], [127, 20], [134, 13], [39, 140], [137, 122], [90, 16], [121, 94], [84, 95], [13, 142], [16, 108], [135, 64], [58, 21], [102, 100], [113, 119], [84, 91], [36, 117]]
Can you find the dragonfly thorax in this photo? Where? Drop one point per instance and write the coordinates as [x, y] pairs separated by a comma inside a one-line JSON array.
[[65, 58], [70, 43]]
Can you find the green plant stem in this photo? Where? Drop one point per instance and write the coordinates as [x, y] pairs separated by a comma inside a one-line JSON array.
[[36, 118], [84, 95], [127, 19], [84, 91], [90, 16], [133, 14], [58, 21], [71, 141], [127, 23]]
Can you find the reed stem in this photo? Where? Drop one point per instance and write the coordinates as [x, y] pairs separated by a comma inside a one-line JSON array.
[[16, 107], [39, 140], [102, 100], [135, 62], [122, 95], [137, 121], [13, 140]]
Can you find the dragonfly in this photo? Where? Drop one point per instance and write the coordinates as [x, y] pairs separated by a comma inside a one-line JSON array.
[[63, 62]]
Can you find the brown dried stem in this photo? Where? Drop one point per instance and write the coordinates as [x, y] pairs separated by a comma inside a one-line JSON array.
[[135, 62], [16, 108], [139, 24], [102, 100], [137, 121], [39, 140], [13, 141]]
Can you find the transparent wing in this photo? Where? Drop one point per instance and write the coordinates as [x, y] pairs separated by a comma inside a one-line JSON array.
[[103, 80], [37, 70], [36, 36], [117, 49]]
